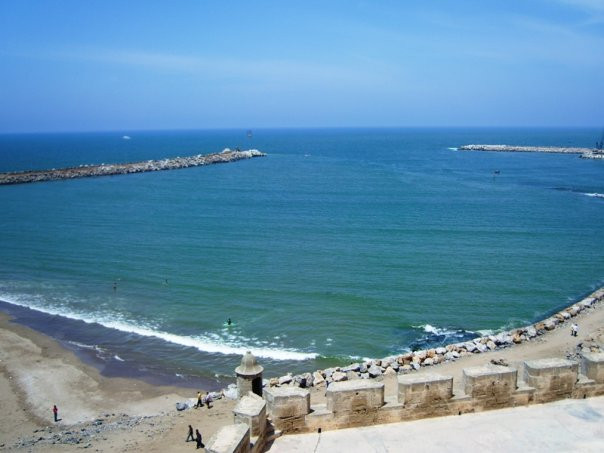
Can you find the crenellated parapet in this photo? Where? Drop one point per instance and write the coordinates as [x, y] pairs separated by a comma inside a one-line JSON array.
[[361, 402]]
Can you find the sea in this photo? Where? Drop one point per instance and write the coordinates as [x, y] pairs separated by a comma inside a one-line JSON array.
[[341, 244]]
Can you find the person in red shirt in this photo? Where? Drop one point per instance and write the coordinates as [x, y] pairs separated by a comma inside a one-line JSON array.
[[55, 412]]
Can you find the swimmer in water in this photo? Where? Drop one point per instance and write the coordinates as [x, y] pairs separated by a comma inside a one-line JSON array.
[[229, 322]]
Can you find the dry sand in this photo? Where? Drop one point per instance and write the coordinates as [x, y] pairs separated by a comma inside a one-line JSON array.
[[131, 415]]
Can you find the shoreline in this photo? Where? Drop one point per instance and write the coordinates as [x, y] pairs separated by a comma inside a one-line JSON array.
[[36, 370], [163, 375]]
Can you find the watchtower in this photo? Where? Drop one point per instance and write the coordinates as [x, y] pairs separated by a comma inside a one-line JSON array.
[[249, 376]]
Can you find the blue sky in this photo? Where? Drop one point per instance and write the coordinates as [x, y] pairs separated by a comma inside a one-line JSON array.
[[192, 64]]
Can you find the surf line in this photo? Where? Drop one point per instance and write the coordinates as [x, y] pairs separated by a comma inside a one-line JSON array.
[[83, 171]]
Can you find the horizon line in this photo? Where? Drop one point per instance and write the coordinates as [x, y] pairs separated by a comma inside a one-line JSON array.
[[234, 128]]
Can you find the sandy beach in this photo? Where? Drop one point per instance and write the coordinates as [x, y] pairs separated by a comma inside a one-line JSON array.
[[129, 415], [107, 414]]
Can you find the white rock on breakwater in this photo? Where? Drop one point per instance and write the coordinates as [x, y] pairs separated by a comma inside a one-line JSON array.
[[83, 171]]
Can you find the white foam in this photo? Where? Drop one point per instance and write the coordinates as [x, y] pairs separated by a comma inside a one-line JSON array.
[[82, 345], [213, 344], [434, 330], [485, 332], [595, 194], [452, 148], [118, 358]]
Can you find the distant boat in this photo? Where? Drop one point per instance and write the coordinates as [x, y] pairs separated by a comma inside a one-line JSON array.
[[126, 137], [249, 133]]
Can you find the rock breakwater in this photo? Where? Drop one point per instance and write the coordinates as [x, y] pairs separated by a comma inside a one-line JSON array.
[[83, 171], [412, 361], [586, 153]]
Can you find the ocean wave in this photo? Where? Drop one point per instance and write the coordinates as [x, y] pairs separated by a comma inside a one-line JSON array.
[[452, 148], [118, 358], [594, 194], [440, 336], [204, 344]]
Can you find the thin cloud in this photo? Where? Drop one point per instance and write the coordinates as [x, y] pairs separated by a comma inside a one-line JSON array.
[[224, 68], [586, 5]]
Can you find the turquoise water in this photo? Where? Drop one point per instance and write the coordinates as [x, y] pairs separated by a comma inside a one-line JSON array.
[[341, 243]]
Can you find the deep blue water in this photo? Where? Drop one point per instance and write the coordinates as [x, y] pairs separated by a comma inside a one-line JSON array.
[[341, 243]]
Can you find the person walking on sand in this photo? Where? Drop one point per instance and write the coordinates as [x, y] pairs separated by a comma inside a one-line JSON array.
[[55, 412], [574, 330], [190, 436], [198, 439], [208, 400], [199, 401]]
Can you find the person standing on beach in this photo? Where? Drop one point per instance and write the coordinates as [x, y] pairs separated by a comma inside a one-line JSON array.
[[55, 412], [199, 402], [190, 436], [574, 330], [208, 400], [198, 439]]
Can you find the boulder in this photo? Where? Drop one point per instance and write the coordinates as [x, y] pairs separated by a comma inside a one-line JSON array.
[[375, 371], [389, 372], [491, 345], [351, 367], [482, 347], [471, 347], [351, 375], [531, 332], [328, 372], [338, 376], [362, 368], [559, 317], [587, 302], [449, 355], [318, 379], [395, 366], [406, 368], [428, 361], [285, 379], [441, 351], [420, 354], [415, 365]]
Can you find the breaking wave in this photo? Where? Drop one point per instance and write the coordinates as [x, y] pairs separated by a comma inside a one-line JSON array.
[[204, 343], [595, 195], [439, 336]]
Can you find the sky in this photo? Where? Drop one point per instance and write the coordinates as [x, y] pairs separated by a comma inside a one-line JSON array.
[[194, 64]]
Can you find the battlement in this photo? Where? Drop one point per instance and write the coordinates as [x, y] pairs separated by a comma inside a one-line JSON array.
[[361, 402]]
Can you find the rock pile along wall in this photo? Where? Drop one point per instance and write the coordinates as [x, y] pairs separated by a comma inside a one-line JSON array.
[[122, 169]]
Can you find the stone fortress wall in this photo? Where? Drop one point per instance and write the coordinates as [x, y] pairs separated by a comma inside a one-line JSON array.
[[354, 399], [287, 410]]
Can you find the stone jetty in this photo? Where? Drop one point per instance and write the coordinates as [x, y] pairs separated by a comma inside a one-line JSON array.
[[82, 171], [585, 153]]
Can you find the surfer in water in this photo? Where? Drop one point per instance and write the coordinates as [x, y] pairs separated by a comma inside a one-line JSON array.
[[229, 322]]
